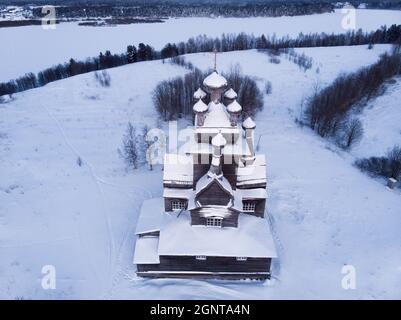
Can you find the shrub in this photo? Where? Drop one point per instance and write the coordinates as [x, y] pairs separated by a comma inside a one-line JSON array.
[[350, 133], [388, 166], [268, 87], [103, 78]]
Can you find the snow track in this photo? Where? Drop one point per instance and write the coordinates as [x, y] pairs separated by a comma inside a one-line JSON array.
[[96, 179]]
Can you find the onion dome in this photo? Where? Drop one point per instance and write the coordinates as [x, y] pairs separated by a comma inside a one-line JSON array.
[[200, 107], [234, 107], [218, 140], [248, 124], [230, 94], [215, 81], [199, 94]]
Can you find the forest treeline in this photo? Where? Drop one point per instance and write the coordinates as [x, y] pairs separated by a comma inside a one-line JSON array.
[[329, 110], [159, 9], [225, 43]]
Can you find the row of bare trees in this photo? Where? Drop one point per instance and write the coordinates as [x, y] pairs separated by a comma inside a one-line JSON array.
[[388, 166], [227, 42], [173, 98], [328, 110]]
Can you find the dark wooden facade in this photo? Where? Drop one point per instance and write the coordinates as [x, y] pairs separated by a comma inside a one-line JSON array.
[[260, 205], [214, 194], [212, 267]]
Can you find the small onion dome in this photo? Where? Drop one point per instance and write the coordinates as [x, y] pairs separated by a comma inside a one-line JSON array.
[[248, 124], [199, 94], [215, 81], [218, 140], [234, 107], [230, 94], [200, 107]]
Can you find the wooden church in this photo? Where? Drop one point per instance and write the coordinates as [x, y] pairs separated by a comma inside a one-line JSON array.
[[210, 222]]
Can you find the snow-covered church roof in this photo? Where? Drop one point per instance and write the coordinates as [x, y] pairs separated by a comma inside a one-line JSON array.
[[199, 94], [200, 106], [150, 216], [252, 174], [178, 167], [215, 81], [234, 107], [218, 140], [230, 94], [252, 238], [249, 123], [217, 116]]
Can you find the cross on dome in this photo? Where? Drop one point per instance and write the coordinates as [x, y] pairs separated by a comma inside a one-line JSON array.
[[215, 58]]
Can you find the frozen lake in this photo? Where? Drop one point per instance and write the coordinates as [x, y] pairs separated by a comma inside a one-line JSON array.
[[25, 49]]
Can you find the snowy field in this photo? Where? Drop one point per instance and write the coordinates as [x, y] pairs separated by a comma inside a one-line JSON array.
[[31, 48], [383, 113], [325, 213]]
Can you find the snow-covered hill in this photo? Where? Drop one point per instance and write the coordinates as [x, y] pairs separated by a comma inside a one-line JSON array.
[[325, 212], [382, 123]]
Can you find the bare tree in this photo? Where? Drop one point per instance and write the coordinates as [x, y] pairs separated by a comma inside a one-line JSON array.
[[147, 146], [103, 78], [352, 132], [394, 155], [130, 151], [268, 87]]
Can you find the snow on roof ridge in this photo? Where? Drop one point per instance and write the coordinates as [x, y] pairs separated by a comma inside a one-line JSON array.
[[207, 179], [249, 123], [230, 94], [234, 107], [215, 81], [215, 211], [199, 94], [200, 106]]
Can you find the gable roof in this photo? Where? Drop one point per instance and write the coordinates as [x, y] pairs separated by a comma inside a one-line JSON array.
[[206, 181]]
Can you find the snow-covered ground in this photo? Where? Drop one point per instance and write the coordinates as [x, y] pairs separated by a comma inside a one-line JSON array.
[[325, 212], [31, 48], [382, 123]]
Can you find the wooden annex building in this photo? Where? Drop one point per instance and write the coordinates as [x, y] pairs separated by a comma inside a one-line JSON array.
[[210, 222]]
